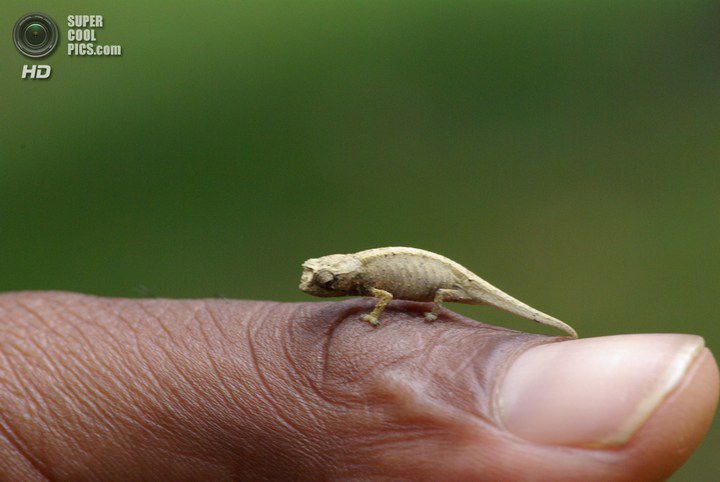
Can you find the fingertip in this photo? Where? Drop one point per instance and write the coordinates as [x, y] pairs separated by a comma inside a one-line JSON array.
[[607, 387], [660, 446], [673, 432]]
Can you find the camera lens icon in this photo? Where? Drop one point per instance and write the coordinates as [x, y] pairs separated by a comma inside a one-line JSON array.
[[35, 35]]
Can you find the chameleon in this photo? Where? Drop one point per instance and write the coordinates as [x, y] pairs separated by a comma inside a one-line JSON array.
[[409, 274]]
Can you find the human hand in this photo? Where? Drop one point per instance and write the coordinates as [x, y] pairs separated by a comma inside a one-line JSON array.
[[122, 389]]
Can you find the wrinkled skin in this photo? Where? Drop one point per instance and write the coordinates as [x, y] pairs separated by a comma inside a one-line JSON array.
[[116, 389]]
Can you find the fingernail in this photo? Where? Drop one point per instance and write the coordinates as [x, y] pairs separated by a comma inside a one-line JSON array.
[[594, 392]]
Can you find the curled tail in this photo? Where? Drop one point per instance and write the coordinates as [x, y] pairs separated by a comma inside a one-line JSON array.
[[487, 294]]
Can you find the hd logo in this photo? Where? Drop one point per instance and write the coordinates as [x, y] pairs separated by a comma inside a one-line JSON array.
[[35, 35], [36, 71]]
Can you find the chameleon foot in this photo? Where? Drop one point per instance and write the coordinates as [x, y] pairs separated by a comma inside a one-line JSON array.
[[370, 319], [430, 317]]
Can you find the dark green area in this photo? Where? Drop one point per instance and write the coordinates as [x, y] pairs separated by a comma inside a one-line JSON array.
[[35, 34], [568, 152]]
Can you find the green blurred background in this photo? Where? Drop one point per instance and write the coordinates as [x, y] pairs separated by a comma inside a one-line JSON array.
[[568, 152]]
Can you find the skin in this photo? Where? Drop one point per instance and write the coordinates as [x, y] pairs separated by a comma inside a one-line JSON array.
[[410, 274], [98, 388]]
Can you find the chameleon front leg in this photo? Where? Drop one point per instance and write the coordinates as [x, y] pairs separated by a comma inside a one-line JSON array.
[[440, 296], [383, 299]]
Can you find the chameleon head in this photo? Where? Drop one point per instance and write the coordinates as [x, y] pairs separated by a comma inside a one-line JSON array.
[[329, 276]]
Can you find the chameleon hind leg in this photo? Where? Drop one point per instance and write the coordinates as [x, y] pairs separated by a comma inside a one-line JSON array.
[[383, 299], [440, 296]]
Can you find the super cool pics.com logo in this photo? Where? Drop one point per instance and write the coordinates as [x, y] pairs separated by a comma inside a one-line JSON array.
[[36, 35]]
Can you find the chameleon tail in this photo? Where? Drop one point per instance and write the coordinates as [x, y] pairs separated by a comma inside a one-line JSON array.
[[487, 294]]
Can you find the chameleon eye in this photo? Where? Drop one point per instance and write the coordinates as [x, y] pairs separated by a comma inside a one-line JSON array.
[[324, 278]]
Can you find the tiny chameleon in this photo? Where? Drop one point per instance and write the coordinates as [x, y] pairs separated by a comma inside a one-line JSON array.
[[409, 274]]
